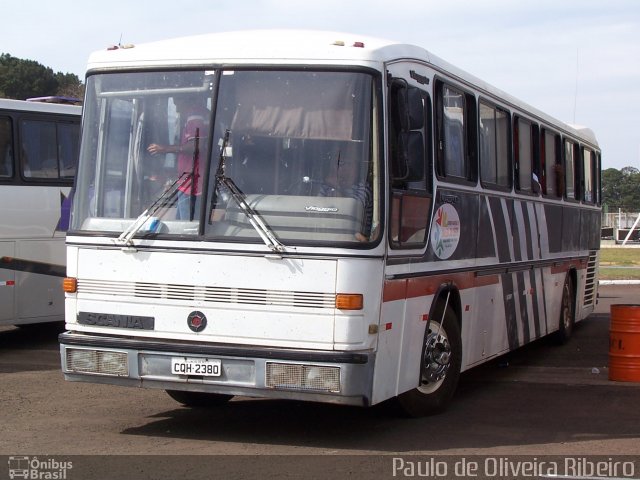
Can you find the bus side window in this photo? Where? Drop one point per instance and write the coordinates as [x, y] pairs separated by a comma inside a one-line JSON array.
[[527, 161], [589, 175], [68, 146], [410, 125], [552, 168], [456, 134], [39, 149], [6, 148], [570, 160], [597, 188], [494, 138]]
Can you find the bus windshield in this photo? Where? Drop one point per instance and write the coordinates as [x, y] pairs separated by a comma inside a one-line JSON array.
[[281, 157]]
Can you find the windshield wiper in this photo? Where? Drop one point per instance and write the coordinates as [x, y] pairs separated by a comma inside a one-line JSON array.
[[265, 233], [162, 201]]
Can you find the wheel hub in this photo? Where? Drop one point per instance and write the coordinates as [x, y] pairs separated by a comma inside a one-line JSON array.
[[437, 356]]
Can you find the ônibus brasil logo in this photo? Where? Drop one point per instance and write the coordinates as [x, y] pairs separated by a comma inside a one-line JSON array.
[[21, 466]]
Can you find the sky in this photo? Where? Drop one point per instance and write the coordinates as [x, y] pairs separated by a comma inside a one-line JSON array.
[[576, 60]]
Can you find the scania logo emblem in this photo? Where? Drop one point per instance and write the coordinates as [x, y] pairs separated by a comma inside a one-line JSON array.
[[197, 321]]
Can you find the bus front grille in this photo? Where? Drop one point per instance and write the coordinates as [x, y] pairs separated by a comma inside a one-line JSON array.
[[207, 294]]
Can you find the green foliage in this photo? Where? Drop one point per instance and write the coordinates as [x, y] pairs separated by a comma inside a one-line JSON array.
[[621, 189], [21, 79]]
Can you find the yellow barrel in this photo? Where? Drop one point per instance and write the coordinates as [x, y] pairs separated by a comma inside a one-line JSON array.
[[624, 343]]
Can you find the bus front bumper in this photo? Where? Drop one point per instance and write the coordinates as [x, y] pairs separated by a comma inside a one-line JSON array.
[[311, 375]]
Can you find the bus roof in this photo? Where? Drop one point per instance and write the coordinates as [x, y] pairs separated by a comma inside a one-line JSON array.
[[298, 47], [56, 99], [26, 106], [255, 46]]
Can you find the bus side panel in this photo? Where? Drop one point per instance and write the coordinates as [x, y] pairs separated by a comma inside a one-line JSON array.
[[483, 332], [7, 285], [571, 229], [49, 300], [420, 296], [389, 340]]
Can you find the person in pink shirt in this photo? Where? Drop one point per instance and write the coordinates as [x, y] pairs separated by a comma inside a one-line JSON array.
[[192, 147]]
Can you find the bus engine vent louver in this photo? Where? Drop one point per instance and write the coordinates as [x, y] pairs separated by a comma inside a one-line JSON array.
[[206, 294], [591, 280]]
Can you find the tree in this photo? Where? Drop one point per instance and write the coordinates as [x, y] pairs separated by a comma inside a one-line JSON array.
[[621, 189], [21, 79], [611, 183], [69, 85]]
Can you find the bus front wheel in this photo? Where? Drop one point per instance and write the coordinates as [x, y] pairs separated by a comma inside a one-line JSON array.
[[439, 368]]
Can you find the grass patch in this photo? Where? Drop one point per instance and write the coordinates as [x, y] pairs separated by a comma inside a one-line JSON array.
[[605, 273], [622, 257]]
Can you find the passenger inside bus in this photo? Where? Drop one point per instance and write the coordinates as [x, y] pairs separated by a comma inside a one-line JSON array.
[[194, 119]]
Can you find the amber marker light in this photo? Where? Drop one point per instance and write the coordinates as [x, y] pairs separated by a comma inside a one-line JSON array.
[[349, 301], [70, 285]]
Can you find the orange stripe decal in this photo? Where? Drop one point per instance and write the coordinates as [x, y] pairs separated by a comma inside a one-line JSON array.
[[423, 286]]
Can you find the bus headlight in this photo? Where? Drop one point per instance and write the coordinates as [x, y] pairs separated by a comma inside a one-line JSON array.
[[103, 362], [317, 378]]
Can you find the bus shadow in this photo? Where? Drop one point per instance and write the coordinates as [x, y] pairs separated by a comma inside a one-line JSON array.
[[492, 408], [30, 348], [487, 412], [482, 416]]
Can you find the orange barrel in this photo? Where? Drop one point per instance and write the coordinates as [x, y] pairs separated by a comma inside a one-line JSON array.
[[624, 343]]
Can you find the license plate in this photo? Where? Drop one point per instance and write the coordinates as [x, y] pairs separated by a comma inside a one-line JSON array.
[[205, 367]]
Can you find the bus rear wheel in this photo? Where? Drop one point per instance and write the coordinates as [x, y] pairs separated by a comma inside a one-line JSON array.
[[567, 313], [198, 399], [440, 365]]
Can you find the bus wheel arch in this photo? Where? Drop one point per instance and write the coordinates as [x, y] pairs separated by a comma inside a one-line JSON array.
[[441, 358]]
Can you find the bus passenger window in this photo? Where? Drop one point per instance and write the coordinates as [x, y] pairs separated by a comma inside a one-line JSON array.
[[552, 184], [456, 124], [453, 132], [527, 170], [569, 170], [588, 160], [68, 139], [6, 149], [495, 165], [39, 149]]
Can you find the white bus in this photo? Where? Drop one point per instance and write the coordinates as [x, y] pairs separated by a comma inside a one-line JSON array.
[[38, 155], [317, 216]]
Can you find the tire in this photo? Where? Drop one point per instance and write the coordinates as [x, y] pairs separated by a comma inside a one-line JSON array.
[[567, 318], [438, 379], [198, 399]]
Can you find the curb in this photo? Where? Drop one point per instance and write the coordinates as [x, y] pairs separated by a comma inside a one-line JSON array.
[[619, 282]]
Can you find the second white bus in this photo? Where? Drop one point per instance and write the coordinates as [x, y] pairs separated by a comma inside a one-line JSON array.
[[38, 155]]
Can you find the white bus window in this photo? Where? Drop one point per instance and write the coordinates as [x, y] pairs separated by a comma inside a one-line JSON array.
[[6, 148], [152, 132], [495, 166], [588, 161], [68, 140], [552, 184], [569, 170], [39, 149], [527, 180], [453, 132]]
